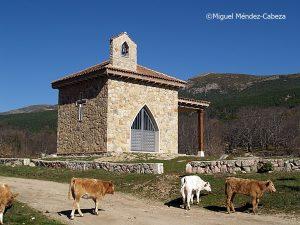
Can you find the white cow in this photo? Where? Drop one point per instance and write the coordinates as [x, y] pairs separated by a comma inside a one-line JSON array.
[[190, 184]]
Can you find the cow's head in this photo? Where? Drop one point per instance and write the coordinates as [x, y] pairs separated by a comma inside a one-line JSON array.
[[110, 188], [270, 186], [207, 187]]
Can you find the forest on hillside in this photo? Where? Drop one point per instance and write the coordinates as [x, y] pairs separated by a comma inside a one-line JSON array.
[[262, 131], [28, 134], [272, 131], [257, 114]]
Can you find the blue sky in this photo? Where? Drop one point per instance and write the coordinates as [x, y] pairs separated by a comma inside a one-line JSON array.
[[41, 41]]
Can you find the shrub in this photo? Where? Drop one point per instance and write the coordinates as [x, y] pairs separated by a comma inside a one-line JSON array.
[[266, 167]]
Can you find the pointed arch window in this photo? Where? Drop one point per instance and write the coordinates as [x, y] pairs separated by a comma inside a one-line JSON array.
[[144, 132], [125, 49]]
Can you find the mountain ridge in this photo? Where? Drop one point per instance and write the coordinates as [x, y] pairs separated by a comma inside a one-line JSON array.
[[228, 92], [31, 109]]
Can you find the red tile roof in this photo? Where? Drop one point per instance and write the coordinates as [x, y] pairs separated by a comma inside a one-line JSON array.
[[141, 73]]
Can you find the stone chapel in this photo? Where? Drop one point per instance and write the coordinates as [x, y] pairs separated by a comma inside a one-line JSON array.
[[121, 106]]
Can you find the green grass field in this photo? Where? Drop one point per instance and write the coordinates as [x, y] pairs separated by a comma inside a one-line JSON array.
[[166, 187], [20, 213]]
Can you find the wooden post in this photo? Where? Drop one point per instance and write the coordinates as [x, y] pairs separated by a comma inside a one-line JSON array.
[[201, 132]]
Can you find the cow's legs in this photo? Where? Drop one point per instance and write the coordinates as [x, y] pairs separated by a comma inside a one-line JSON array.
[[254, 204], [78, 207], [189, 195], [75, 204], [182, 191], [231, 203], [198, 196], [228, 202], [73, 210], [1, 217], [257, 201], [96, 206]]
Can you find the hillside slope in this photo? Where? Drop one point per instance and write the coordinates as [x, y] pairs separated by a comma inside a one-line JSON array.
[[229, 92], [32, 122], [31, 109]]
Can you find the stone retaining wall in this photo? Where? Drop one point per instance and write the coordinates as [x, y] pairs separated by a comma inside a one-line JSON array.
[[145, 168], [241, 165]]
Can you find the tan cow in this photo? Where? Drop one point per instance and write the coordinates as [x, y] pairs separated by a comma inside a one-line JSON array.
[[252, 188], [6, 199], [89, 189]]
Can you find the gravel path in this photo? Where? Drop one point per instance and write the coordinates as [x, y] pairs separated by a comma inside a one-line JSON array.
[[122, 209]]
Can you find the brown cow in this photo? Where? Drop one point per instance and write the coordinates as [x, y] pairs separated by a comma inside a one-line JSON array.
[[252, 188], [6, 199], [88, 189]]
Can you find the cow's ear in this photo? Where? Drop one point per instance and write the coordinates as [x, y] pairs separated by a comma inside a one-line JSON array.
[[205, 184], [268, 183]]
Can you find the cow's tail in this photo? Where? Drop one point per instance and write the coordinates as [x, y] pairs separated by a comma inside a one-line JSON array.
[[71, 187], [183, 182], [227, 185]]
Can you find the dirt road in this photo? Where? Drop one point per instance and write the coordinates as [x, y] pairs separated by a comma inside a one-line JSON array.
[[122, 209]]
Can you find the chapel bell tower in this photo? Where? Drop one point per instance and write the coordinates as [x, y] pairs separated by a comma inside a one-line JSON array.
[[123, 52]]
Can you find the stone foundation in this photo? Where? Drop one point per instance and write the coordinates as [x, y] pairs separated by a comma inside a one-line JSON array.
[[142, 168], [242, 165]]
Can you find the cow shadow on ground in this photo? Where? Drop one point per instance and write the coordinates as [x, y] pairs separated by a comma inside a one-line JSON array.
[[67, 213], [174, 203], [244, 208], [178, 203]]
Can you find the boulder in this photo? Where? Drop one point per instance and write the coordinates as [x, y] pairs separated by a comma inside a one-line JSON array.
[[207, 170], [280, 162], [237, 169], [26, 162], [224, 169], [246, 169], [231, 170], [254, 168], [216, 169], [230, 163], [200, 170], [31, 164], [238, 163], [297, 162], [213, 163], [188, 168], [249, 162]]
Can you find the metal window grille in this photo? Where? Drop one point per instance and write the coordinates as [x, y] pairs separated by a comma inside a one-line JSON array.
[[144, 135]]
